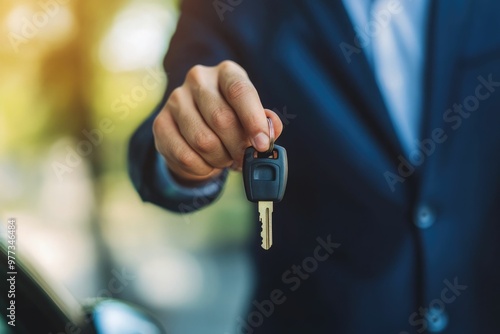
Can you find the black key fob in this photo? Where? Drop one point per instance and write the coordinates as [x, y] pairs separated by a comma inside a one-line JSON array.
[[265, 174]]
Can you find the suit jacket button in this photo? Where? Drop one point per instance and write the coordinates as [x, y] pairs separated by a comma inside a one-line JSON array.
[[424, 217], [437, 320]]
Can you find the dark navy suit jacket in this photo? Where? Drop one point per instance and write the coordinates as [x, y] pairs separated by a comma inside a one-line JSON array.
[[406, 234]]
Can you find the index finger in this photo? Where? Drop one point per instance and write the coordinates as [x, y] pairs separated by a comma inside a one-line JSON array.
[[242, 96]]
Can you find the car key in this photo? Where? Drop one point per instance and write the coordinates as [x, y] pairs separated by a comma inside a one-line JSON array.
[[265, 176]]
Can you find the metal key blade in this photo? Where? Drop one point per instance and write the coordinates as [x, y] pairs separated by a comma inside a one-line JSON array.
[[266, 219]]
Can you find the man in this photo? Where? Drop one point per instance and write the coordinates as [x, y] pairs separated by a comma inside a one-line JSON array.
[[389, 113]]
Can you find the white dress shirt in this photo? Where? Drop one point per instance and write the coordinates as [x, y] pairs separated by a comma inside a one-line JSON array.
[[392, 35]]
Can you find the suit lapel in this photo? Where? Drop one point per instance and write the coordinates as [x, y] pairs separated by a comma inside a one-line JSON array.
[[350, 66], [446, 23], [359, 75]]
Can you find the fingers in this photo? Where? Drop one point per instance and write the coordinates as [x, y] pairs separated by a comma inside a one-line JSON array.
[[185, 163], [197, 133], [209, 121], [223, 121], [242, 96]]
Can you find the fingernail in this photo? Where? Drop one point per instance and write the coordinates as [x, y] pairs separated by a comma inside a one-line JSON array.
[[261, 142]]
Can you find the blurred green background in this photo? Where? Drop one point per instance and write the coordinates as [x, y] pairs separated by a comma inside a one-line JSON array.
[[77, 77]]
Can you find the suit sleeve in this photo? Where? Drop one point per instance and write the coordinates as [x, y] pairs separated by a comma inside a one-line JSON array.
[[200, 38]]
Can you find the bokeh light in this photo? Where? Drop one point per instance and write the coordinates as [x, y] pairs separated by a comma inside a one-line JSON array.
[[66, 66]]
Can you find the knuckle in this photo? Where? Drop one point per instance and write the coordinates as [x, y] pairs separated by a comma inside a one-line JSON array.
[[205, 142], [158, 124], [174, 98], [223, 118], [228, 65], [187, 159], [195, 73], [237, 89]]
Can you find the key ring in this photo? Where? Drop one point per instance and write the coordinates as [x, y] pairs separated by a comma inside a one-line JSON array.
[[271, 136]]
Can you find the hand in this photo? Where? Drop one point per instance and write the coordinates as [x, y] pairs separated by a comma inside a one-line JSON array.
[[209, 121]]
